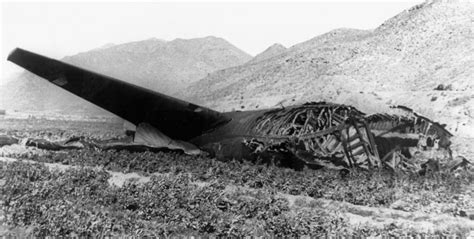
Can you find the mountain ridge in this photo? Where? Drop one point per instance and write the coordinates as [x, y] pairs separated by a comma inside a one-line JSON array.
[[400, 62], [163, 66], [271, 51], [421, 58]]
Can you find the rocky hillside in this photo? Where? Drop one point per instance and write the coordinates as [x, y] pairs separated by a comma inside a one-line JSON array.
[[164, 66], [403, 61]]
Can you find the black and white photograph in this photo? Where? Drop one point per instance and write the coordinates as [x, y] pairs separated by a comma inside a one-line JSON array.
[[158, 119]]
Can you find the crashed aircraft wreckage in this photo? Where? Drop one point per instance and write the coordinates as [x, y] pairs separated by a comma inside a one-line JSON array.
[[311, 135]]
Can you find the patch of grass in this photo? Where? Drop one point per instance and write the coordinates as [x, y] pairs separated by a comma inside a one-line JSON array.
[[369, 188], [79, 202]]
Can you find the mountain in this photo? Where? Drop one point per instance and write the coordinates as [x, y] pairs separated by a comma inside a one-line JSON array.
[[274, 50], [403, 61], [164, 66]]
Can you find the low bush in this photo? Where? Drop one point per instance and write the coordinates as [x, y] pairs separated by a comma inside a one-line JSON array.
[[370, 188], [79, 202]]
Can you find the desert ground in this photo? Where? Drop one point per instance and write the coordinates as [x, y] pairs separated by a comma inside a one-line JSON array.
[[89, 192]]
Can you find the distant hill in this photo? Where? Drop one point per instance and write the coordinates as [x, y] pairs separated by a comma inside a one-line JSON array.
[[400, 62], [274, 50], [164, 66]]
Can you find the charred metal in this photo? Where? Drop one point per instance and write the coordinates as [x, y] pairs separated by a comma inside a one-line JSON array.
[[319, 134], [339, 136]]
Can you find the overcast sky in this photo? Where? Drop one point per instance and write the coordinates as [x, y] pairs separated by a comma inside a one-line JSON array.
[[60, 29]]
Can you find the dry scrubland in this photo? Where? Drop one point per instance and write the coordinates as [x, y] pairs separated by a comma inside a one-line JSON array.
[[100, 193]]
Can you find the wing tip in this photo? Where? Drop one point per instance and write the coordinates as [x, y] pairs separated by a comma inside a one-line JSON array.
[[15, 55]]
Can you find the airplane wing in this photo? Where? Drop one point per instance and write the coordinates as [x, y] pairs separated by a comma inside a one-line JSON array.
[[176, 118]]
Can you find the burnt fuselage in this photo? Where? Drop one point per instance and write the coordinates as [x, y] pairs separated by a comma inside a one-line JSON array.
[[315, 134], [320, 135]]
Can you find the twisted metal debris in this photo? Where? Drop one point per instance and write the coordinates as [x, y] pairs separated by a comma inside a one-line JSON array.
[[340, 136], [323, 134]]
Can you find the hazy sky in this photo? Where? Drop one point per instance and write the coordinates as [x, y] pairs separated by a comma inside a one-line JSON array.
[[60, 29]]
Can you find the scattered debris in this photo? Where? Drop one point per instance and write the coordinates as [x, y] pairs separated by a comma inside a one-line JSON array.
[[444, 87], [314, 135], [7, 140]]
